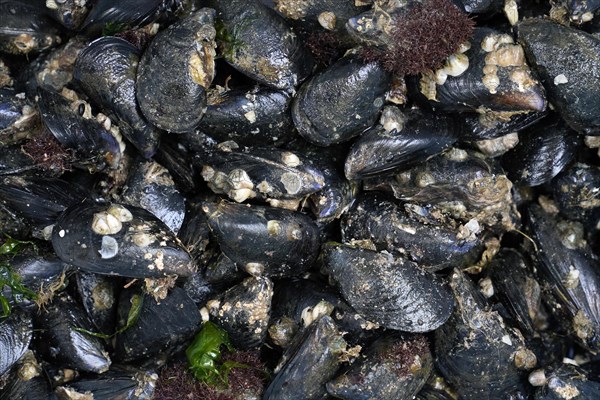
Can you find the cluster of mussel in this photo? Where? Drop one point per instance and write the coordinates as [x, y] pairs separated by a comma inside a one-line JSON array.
[[374, 236]]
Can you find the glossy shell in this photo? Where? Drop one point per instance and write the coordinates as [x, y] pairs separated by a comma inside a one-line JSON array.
[[106, 70], [119, 240], [340, 102]]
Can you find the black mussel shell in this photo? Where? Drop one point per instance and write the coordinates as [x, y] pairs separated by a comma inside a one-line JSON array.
[[259, 116], [491, 125], [516, 287], [492, 74], [40, 200], [261, 172], [393, 367], [413, 137], [392, 292], [340, 102], [37, 388], [475, 351], [264, 240], [73, 125], [16, 331], [258, 42], [123, 240], [543, 151], [106, 71], [244, 311], [99, 297], [115, 384], [61, 321], [160, 329], [107, 14], [26, 29], [568, 271], [566, 381], [382, 221], [566, 59], [575, 192], [18, 118], [309, 363], [151, 187], [175, 71], [459, 183]]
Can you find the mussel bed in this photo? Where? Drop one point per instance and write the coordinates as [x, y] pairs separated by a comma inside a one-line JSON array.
[[298, 199]]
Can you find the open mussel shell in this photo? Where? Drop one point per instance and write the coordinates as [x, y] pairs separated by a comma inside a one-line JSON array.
[[568, 270], [393, 367], [259, 116], [106, 71], [491, 75], [114, 239], [257, 41], [40, 200], [73, 125], [264, 240], [402, 140], [60, 321], [340, 102], [115, 384], [475, 351], [151, 187], [544, 150], [390, 291], [160, 329], [16, 331], [382, 221], [566, 59], [244, 311], [309, 363], [175, 71]]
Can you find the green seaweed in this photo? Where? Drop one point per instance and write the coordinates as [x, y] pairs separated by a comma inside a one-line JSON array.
[[204, 356], [10, 279], [137, 300]]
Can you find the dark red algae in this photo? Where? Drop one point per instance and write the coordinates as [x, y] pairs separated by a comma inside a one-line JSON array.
[[176, 382], [423, 38]]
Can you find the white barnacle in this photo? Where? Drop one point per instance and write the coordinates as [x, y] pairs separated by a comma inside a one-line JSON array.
[[142, 239], [239, 179], [273, 227], [327, 20], [290, 159], [291, 182], [104, 223], [109, 247], [254, 268], [120, 212], [537, 378], [560, 79], [456, 64]]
